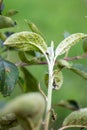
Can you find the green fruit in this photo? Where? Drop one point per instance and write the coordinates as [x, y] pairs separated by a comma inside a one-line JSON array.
[[85, 45]]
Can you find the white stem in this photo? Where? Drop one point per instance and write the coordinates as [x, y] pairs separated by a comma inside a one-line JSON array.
[[51, 62], [49, 101], [50, 88]]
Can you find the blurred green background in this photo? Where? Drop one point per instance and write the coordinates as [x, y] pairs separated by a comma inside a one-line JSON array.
[[53, 18]]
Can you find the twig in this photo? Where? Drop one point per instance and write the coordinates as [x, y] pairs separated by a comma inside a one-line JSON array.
[[42, 92]]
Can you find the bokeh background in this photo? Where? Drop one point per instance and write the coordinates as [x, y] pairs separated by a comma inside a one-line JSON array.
[[53, 18]]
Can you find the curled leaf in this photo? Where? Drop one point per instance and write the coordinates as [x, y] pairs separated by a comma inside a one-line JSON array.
[[74, 104], [68, 42], [26, 41], [23, 57], [57, 79], [29, 109], [69, 104], [78, 118], [28, 57]]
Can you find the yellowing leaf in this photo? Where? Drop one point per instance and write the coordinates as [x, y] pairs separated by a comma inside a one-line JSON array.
[[26, 41], [68, 42], [77, 118]]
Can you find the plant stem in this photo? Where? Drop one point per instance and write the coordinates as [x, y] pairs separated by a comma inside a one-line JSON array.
[[49, 101]]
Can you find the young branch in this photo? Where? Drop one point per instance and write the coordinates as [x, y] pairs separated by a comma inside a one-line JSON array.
[[28, 64], [83, 56], [76, 57]]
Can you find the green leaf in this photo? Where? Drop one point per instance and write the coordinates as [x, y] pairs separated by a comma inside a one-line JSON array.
[[78, 118], [68, 42], [31, 83], [8, 77], [6, 22], [80, 70], [26, 41], [57, 79], [22, 56]]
